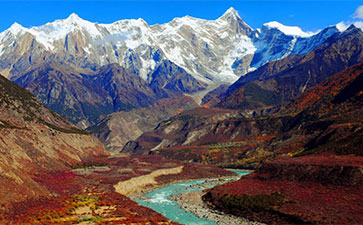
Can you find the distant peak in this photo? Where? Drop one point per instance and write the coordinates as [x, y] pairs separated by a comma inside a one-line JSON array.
[[231, 13], [16, 28], [73, 17], [143, 21], [359, 24], [16, 25]]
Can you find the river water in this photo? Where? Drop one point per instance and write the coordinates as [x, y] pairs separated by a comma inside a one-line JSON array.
[[158, 201]]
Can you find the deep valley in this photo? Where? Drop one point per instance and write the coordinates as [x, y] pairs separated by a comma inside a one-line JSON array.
[[100, 121]]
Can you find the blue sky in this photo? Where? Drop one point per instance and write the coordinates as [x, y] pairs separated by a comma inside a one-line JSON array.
[[309, 15]]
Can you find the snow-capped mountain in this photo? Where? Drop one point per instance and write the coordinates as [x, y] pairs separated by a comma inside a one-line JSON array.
[[212, 51]]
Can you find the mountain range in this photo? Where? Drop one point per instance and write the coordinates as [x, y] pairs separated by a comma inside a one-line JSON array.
[[212, 51], [279, 81], [85, 70], [73, 66]]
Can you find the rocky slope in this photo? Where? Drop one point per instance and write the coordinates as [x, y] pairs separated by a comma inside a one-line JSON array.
[[36, 141], [168, 77], [116, 129], [83, 96], [213, 97]]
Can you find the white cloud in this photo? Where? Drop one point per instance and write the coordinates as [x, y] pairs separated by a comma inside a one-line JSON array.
[[358, 12]]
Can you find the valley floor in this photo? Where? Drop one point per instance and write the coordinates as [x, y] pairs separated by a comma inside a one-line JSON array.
[[89, 192]]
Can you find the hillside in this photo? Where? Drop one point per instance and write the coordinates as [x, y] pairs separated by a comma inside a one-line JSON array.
[[316, 189], [318, 179], [83, 96], [36, 141], [315, 121]]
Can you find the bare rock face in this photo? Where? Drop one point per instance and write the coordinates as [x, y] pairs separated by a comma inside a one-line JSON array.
[[34, 141], [174, 79], [117, 129]]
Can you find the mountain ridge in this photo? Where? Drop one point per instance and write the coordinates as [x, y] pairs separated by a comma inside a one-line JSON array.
[[286, 78]]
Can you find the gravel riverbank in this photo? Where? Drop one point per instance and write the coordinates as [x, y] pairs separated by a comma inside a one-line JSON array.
[[192, 202]]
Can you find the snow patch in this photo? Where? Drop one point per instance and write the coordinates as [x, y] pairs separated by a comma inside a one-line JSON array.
[[359, 24], [50, 32], [16, 28], [147, 67], [342, 26], [288, 30]]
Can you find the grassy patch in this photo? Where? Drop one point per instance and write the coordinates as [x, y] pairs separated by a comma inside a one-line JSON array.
[[228, 144], [87, 165]]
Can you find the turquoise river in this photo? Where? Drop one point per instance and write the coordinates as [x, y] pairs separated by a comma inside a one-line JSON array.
[[158, 200]]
